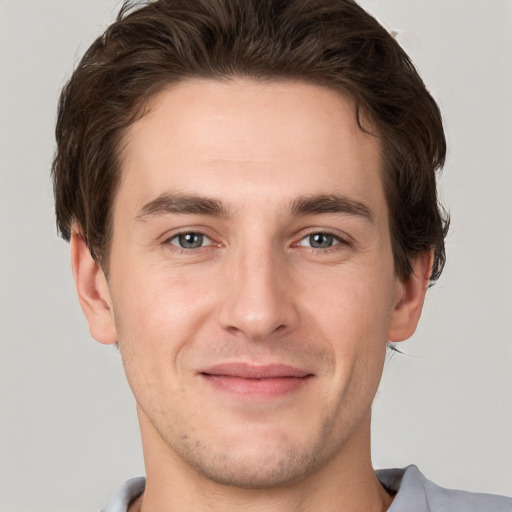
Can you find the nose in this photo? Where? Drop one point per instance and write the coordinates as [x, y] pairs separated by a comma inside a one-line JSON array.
[[258, 297]]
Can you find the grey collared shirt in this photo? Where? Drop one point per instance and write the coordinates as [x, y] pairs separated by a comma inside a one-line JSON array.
[[414, 493]]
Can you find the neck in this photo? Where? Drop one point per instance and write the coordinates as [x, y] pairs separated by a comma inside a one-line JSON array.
[[346, 482]]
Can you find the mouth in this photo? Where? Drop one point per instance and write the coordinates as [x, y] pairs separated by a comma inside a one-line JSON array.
[[246, 381]]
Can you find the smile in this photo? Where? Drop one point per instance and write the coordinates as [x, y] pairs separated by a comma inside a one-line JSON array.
[[247, 381]]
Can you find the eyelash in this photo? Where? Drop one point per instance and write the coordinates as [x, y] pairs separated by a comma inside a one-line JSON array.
[[190, 233], [336, 241]]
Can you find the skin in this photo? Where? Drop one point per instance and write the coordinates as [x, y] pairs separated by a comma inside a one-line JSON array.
[[256, 289]]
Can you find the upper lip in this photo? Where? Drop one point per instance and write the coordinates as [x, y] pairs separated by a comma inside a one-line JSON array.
[[252, 371]]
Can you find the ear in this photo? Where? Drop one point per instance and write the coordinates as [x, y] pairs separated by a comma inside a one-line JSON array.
[[410, 298], [93, 292]]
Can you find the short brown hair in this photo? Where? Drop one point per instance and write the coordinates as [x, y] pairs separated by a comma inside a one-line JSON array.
[[333, 43]]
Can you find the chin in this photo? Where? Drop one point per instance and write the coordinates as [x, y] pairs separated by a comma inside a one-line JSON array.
[[257, 460], [257, 471]]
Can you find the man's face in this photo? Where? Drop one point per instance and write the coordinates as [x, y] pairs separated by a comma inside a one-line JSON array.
[[251, 278]]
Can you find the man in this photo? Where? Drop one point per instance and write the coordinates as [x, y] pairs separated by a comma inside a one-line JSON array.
[[249, 192]]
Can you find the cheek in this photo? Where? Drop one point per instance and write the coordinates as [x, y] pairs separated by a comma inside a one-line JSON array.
[[157, 297], [354, 304], [158, 316], [354, 317]]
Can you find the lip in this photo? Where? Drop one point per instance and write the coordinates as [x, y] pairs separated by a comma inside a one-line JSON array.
[[260, 382]]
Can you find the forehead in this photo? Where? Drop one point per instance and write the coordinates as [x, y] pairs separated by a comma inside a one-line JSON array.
[[243, 139]]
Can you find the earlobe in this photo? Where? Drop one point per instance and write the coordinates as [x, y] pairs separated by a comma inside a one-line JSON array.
[[410, 298], [93, 292]]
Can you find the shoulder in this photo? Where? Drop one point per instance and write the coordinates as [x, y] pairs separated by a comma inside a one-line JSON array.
[[415, 492], [125, 495]]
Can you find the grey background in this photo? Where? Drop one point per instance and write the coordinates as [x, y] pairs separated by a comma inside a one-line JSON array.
[[68, 433]]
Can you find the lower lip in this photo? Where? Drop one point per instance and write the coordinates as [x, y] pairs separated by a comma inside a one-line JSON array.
[[257, 389]]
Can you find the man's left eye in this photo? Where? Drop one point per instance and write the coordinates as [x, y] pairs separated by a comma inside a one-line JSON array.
[[190, 240], [319, 241]]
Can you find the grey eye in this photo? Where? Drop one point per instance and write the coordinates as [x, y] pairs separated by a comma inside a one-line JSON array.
[[190, 240], [319, 241]]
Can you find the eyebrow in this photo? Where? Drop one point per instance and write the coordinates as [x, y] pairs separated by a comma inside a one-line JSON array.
[[320, 204], [304, 205], [181, 204]]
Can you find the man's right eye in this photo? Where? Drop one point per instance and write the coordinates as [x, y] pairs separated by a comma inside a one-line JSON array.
[[190, 240]]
